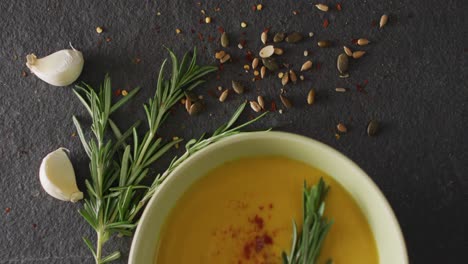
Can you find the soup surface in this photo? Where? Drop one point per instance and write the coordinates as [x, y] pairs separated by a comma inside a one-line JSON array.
[[242, 211]]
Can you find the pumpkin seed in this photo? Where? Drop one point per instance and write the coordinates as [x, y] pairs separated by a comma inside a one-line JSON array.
[[322, 7], [358, 54], [341, 127], [224, 95], [341, 90], [372, 128], [383, 20], [270, 64], [362, 42], [262, 71], [286, 102], [285, 79], [294, 37], [255, 63], [220, 54], [279, 37], [267, 51], [195, 108], [292, 76], [224, 40], [261, 101], [188, 104], [278, 51], [237, 87], [311, 97], [307, 65], [348, 51], [324, 44], [255, 106], [342, 63], [343, 75], [225, 58], [264, 37]]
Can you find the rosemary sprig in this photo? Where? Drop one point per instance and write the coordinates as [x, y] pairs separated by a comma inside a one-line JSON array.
[[116, 192], [306, 246]]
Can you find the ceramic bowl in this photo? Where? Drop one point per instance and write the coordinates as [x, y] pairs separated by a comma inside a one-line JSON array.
[[384, 225]]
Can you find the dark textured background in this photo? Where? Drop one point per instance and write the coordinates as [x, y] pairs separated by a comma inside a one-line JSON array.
[[415, 66]]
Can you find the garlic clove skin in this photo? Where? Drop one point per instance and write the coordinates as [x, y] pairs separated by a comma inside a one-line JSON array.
[[61, 68], [58, 177]]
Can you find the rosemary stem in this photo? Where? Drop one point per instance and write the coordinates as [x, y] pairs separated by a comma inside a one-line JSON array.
[[99, 246]]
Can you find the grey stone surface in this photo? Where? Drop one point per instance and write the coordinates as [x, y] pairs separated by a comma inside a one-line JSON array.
[[416, 69]]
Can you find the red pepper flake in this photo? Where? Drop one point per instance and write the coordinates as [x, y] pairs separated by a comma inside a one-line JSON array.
[[258, 221], [7, 210], [273, 109], [243, 42], [118, 92], [360, 87], [318, 65], [354, 41], [266, 30], [108, 39], [271, 206], [200, 36], [212, 94], [254, 8], [247, 251], [136, 60], [261, 207], [221, 29], [210, 38], [295, 12], [365, 82], [267, 239], [325, 23], [34, 225], [249, 56], [221, 67], [24, 74], [259, 243], [192, 30], [338, 7]]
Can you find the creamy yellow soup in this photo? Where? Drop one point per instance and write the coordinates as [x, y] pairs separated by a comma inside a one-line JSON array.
[[242, 211]]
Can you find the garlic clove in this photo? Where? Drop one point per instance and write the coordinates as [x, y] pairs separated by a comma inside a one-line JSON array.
[[58, 177], [61, 68]]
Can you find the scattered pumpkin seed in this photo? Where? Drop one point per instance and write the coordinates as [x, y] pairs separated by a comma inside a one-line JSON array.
[[243, 24], [286, 102], [255, 106], [358, 54], [99, 30], [311, 97], [372, 128], [261, 101], [225, 58], [342, 63], [195, 108], [267, 51], [341, 90], [285, 79], [278, 51], [237, 87], [307, 65], [224, 95], [264, 37], [224, 40], [255, 63], [207, 20], [262, 71], [256, 73], [294, 37], [292, 76], [362, 42], [188, 104], [279, 37], [341, 128], [324, 43], [259, 7], [220, 54], [348, 51], [383, 20], [322, 7], [270, 64]]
